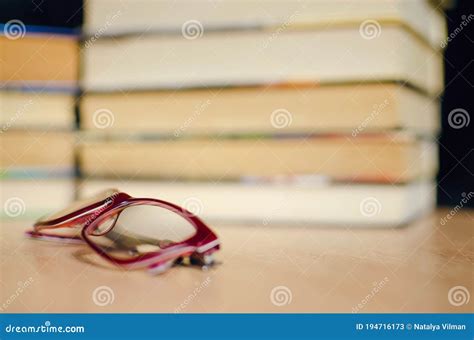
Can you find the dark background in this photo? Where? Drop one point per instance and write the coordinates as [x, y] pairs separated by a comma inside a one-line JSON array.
[[62, 13], [456, 175]]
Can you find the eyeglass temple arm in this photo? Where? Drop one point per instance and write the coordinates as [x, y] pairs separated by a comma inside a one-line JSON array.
[[82, 215]]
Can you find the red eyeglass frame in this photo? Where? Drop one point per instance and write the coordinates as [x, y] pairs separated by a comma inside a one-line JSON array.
[[202, 244]]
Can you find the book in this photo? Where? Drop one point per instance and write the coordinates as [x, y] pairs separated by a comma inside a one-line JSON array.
[[38, 80], [35, 58], [109, 18], [234, 108], [265, 204], [36, 154], [36, 110], [375, 158], [243, 58], [29, 199], [293, 108]]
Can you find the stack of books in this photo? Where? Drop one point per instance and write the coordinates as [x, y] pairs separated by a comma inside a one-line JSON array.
[[38, 82], [274, 111]]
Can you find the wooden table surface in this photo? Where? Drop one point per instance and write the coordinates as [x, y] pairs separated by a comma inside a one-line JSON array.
[[424, 267]]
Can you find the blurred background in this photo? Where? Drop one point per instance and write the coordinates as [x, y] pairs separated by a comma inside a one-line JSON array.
[[321, 112]]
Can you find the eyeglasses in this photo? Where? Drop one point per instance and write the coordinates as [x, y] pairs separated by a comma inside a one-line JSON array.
[[132, 232]]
